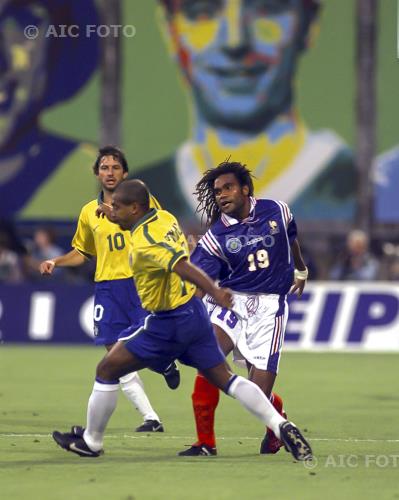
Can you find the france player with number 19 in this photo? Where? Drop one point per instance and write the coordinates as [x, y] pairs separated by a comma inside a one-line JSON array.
[[251, 248]]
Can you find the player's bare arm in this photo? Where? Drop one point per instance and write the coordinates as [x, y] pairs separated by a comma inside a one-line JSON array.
[[70, 259], [189, 272], [301, 271]]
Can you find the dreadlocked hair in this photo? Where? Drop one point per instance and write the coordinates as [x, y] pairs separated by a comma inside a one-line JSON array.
[[204, 192]]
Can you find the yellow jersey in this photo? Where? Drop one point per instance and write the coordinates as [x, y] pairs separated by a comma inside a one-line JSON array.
[[157, 244], [100, 238]]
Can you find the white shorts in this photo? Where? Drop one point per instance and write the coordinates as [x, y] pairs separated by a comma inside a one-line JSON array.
[[256, 326]]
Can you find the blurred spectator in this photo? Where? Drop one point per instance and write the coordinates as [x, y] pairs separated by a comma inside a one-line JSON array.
[[10, 271], [393, 271], [44, 244], [310, 263], [44, 248], [356, 262], [390, 263], [14, 243]]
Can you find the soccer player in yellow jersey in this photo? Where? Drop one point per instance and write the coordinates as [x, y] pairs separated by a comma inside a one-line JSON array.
[[116, 304], [177, 328]]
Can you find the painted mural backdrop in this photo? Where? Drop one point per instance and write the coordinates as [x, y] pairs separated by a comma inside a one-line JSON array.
[[267, 82], [43, 173]]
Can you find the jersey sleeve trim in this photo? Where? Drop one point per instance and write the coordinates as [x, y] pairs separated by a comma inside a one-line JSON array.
[[84, 254], [286, 212], [211, 245], [287, 218], [175, 259]]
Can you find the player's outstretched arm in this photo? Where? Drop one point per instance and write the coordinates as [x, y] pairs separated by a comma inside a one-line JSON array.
[[301, 271], [190, 272], [70, 259]]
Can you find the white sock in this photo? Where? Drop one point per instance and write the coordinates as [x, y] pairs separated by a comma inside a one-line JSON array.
[[133, 388], [254, 400], [102, 404]]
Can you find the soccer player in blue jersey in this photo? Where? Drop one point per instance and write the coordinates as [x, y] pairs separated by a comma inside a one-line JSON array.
[[251, 247], [177, 328], [116, 303]]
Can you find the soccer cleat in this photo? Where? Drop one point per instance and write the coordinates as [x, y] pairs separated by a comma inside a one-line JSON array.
[[197, 450], [294, 442], [150, 426], [172, 376], [270, 444], [77, 430], [75, 444]]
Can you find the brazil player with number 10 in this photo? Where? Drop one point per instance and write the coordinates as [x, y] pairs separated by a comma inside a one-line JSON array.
[[116, 303], [250, 247], [177, 328]]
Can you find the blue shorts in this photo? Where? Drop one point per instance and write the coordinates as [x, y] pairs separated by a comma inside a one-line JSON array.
[[185, 333], [116, 306]]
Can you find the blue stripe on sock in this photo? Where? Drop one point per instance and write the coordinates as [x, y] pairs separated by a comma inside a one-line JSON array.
[[107, 382], [226, 389]]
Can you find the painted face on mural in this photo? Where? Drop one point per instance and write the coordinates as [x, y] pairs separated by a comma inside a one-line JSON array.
[[22, 65], [238, 55]]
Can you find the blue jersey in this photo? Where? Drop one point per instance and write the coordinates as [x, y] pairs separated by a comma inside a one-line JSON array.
[[253, 255]]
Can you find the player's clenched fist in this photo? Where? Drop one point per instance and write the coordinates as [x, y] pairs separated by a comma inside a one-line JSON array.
[[223, 297], [47, 267]]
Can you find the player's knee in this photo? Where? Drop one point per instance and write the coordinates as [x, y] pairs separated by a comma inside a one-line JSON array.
[[106, 370]]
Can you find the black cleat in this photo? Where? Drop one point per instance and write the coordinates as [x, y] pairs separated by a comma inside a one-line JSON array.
[[77, 430], [172, 376], [150, 426], [270, 444], [294, 442], [76, 444], [197, 450]]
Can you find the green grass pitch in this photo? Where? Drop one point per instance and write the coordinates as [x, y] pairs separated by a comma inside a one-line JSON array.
[[346, 404]]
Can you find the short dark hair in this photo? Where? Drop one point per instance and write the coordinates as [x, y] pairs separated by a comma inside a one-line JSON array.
[[204, 189], [133, 191], [113, 151]]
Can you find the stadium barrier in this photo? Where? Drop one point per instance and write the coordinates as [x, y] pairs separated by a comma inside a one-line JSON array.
[[330, 315]]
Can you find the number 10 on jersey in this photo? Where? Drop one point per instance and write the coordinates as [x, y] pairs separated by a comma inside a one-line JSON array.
[[116, 241]]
